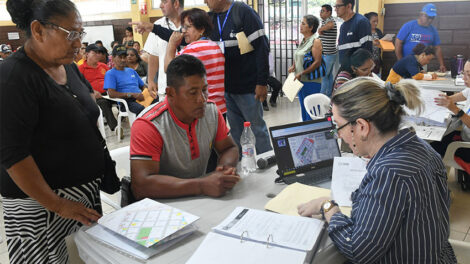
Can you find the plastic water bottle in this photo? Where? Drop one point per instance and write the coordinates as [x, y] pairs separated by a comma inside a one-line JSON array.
[[248, 142]]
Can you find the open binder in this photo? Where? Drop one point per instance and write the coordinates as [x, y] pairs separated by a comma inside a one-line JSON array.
[[255, 236]]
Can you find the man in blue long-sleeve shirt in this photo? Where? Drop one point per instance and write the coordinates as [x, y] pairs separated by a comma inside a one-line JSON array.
[[354, 33]]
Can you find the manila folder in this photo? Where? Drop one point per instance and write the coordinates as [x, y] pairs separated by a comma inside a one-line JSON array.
[[293, 195]]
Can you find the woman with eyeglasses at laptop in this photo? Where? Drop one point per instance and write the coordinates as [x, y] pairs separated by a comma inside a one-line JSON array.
[[51, 156], [400, 212]]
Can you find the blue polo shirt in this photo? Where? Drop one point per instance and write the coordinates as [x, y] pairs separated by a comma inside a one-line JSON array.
[[125, 81], [407, 67], [411, 33]]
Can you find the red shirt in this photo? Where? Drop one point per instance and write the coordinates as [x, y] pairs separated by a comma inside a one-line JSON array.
[[146, 140], [94, 75]]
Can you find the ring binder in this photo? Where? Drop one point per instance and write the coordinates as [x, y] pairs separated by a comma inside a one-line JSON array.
[[267, 240], [241, 236]]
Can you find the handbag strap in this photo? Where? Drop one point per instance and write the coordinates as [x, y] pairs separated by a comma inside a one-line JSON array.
[[80, 106]]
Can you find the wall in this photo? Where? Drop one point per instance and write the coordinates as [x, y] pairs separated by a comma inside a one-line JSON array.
[[119, 26], [4, 36], [452, 23]]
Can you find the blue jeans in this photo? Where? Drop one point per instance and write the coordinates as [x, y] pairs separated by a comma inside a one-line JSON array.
[[308, 89], [244, 107], [327, 80], [134, 107]]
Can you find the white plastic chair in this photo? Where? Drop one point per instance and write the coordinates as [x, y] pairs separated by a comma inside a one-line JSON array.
[[317, 105], [448, 159], [121, 114], [101, 124], [123, 168]]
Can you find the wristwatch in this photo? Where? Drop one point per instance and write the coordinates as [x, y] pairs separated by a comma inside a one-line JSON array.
[[129, 95], [460, 114], [327, 206]]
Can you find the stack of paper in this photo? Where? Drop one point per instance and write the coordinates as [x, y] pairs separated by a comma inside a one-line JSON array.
[[143, 229], [432, 115], [254, 236], [430, 124]]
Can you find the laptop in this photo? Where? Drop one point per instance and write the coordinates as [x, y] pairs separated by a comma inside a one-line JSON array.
[[305, 151]]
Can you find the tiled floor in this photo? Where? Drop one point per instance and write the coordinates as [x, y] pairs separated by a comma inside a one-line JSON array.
[[287, 112]]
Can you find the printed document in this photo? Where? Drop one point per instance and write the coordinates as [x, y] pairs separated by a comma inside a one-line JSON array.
[[348, 173], [291, 87], [147, 222], [287, 231]]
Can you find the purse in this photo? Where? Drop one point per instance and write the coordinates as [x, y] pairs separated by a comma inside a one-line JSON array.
[[110, 182], [320, 71]]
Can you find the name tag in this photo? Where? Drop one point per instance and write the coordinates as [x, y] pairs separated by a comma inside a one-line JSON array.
[[221, 46]]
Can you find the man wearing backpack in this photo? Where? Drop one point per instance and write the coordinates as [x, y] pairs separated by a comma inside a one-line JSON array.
[[246, 74]]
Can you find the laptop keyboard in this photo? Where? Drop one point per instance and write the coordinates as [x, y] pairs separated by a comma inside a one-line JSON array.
[[314, 177]]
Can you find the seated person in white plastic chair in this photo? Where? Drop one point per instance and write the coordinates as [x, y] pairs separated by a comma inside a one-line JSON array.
[[172, 141], [123, 82]]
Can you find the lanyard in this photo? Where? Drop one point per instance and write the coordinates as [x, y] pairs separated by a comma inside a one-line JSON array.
[[225, 20]]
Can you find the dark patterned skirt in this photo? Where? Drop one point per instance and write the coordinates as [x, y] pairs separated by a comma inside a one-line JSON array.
[[37, 235]]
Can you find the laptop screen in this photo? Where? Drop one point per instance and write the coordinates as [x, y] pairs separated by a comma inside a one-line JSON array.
[[304, 146]]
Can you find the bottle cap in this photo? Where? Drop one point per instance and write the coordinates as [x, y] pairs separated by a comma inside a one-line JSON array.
[[246, 124]]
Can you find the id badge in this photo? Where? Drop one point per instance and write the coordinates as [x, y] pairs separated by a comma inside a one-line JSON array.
[[221, 46]]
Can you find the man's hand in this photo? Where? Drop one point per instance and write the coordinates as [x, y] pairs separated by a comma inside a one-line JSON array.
[[153, 89], [219, 182], [74, 210], [261, 92], [142, 27], [312, 207], [138, 96], [442, 68]]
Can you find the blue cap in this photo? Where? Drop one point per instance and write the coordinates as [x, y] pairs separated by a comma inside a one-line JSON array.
[[430, 10]]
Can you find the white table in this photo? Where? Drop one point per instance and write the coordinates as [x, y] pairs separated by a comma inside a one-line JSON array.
[[250, 192], [442, 85]]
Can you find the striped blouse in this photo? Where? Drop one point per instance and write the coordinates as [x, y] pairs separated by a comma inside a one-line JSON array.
[[400, 212], [214, 61]]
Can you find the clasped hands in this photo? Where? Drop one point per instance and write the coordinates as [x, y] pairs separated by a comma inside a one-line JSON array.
[[220, 181]]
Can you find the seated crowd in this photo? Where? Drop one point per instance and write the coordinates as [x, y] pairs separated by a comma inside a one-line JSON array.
[[53, 156]]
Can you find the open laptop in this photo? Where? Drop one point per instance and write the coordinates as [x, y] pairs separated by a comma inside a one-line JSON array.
[[305, 151]]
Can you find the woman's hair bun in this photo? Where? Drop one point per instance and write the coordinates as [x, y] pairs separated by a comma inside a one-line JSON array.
[[21, 12]]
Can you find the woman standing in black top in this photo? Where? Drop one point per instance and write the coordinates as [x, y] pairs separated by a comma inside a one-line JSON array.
[[51, 156]]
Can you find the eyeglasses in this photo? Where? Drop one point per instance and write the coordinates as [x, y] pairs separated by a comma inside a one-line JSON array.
[[72, 34], [186, 27], [335, 131], [366, 69], [338, 6]]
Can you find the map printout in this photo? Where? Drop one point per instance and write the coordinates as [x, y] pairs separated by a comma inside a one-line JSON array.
[[147, 222]]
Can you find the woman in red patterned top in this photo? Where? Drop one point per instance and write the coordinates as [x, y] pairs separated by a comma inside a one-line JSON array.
[[196, 27]]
